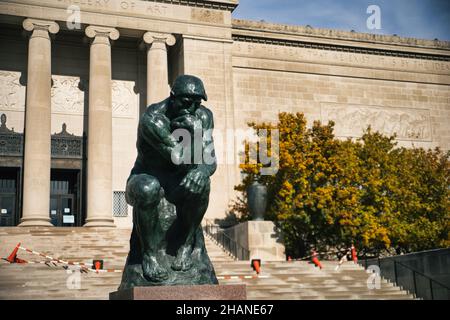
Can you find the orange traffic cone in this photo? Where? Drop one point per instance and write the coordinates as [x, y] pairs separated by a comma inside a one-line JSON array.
[[315, 260], [12, 258], [97, 266], [354, 256], [256, 265]]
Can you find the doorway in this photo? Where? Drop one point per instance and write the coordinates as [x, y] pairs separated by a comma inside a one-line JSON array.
[[9, 178], [64, 198]]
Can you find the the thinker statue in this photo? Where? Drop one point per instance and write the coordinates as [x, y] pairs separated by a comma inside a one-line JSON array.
[[169, 193]]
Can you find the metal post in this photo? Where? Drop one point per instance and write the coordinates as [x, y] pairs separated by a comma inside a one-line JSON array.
[[395, 271], [431, 289], [415, 285]]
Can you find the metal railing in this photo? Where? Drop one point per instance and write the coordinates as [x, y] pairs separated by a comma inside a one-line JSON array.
[[237, 251], [409, 279]]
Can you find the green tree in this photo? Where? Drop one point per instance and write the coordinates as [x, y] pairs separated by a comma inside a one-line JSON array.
[[330, 193]]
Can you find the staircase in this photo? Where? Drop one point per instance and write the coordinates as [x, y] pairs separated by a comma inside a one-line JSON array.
[[215, 252], [38, 281], [280, 280], [301, 280]]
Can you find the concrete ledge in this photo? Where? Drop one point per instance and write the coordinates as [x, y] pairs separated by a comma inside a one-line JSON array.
[[198, 292], [261, 238]]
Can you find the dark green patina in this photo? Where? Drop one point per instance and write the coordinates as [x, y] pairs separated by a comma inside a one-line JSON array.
[[169, 200]]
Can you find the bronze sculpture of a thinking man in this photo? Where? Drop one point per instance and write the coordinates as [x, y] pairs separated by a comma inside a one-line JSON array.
[[169, 192]]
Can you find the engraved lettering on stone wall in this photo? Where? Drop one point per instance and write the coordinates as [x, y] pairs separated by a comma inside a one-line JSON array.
[[157, 9], [12, 93], [66, 95], [352, 120], [127, 4], [277, 52], [92, 3], [124, 100], [130, 6]]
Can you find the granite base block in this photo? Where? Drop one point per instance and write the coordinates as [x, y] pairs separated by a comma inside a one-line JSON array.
[[199, 292]]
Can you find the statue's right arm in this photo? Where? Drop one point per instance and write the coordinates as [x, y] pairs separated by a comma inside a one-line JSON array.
[[155, 129]]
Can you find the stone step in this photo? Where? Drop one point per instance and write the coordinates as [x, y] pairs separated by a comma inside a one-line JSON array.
[[286, 280]]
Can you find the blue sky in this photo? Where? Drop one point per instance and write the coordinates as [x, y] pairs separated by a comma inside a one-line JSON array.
[[428, 19]]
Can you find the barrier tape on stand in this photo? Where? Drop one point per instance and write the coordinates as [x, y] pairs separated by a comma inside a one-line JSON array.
[[70, 263], [84, 267], [230, 277], [314, 257]]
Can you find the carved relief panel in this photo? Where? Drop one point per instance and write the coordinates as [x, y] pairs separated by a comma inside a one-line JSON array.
[[352, 120], [67, 96], [125, 101], [12, 93]]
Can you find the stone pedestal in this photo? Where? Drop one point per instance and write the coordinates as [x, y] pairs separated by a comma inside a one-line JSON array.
[[260, 238], [199, 292]]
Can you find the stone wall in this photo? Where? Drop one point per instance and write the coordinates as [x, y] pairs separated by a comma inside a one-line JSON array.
[[211, 61], [418, 113], [276, 68]]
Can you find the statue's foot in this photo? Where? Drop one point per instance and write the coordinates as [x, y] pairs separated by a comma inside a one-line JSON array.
[[183, 261], [152, 270]]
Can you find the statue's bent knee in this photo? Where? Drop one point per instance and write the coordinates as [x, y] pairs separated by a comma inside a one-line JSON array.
[[143, 190]]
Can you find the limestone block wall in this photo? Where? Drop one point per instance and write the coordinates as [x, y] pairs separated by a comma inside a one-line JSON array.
[[70, 74], [418, 113], [13, 67], [211, 61], [411, 98], [128, 95]]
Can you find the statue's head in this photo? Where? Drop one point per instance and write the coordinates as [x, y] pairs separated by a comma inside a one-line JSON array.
[[187, 94]]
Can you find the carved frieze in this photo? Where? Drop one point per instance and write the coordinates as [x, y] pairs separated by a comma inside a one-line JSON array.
[[12, 93], [352, 120], [66, 95], [125, 101]]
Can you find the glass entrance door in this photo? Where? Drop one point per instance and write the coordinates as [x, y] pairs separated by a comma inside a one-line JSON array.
[[7, 209], [64, 199], [8, 196], [61, 211], [68, 215]]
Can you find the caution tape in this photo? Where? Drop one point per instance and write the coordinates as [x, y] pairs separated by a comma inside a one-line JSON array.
[[230, 277], [51, 261], [314, 257], [69, 263]]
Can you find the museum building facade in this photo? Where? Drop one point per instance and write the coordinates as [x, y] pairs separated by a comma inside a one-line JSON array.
[[75, 76]]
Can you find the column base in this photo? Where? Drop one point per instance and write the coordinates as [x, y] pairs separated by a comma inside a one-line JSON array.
[[35, 222], [99, 222]]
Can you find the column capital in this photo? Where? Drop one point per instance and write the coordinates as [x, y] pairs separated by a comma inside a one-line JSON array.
[[165, 38], [46, 26], [106, 33]]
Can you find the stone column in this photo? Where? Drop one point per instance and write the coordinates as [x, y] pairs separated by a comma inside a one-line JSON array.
[[37, 157], [99, 156], [157, 69]]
